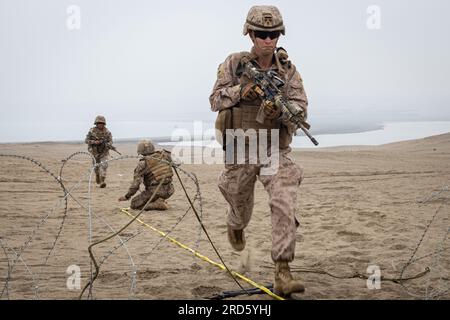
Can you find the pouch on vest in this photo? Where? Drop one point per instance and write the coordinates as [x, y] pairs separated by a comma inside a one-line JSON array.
[[224, 121]]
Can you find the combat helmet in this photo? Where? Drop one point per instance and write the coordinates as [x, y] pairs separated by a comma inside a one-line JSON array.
[[100, 119], [264, 18], [145, 147]]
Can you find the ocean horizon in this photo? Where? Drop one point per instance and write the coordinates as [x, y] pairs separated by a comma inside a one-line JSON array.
[[170, 133], [389, 132]]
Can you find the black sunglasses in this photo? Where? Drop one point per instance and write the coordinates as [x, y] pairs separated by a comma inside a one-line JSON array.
[[264, 34]]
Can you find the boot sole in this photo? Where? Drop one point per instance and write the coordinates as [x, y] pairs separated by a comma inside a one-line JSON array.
[[235, 245]]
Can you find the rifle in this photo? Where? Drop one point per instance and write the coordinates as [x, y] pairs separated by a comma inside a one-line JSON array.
[[114, 149], [268, 86], [104, 142]]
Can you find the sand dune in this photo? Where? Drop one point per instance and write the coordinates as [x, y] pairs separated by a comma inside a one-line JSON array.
[[358, 207]]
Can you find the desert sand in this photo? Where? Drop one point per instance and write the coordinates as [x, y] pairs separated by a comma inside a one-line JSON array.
[[357, 206]]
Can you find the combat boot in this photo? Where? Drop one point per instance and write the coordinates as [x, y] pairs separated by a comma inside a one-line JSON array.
[[102, 182], [159, 204], [97, 178], [285, 284], [236, 238]]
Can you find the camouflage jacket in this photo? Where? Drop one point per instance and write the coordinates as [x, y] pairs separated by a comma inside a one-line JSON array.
[[143, 174], [226, 91], [102, 135]]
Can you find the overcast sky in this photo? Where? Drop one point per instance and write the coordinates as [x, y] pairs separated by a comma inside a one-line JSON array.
[[149, 61]]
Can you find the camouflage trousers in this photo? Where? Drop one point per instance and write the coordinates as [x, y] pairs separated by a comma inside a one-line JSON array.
[[237, 184], [164, 192], [100, 171]]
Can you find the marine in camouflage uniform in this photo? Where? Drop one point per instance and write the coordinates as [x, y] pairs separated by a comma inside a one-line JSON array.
[[235, 91], [99, 141], [153, 168]]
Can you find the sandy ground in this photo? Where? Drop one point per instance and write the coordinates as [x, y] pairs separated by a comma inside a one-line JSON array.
[[358, 207]]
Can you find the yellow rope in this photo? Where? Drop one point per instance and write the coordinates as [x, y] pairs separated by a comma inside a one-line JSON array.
[[205, 258]]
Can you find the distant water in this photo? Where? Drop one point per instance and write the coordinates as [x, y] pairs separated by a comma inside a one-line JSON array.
[[390, 132], [198, 131]]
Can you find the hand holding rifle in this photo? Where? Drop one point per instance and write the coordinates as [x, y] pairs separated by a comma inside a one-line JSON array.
[[267, 86]]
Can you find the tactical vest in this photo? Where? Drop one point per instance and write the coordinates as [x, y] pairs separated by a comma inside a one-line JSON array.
[[99, 135], [244, 114], [160, 169]]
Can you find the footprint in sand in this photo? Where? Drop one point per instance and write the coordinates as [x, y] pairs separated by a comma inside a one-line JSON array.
[[373, 224], [154, 290], [148, 274], [373, 214], [398, 247], [203, 291], [109, 276], [353, 236]]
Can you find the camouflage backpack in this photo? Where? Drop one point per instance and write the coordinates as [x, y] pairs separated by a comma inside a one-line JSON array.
[[159, 164]]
